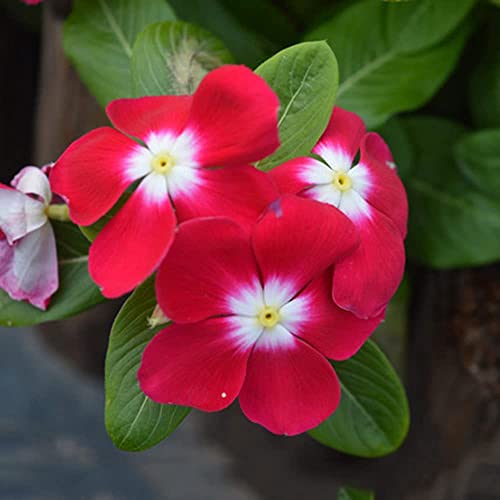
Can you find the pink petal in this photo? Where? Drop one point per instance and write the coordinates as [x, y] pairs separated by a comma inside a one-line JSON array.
[[32, 180], [198, 365], [296, 239], [210, 261], [28, 269], [234, 117], [340, 141], [365, 281], [315, 318], [289, 389], [300, 173], [93, 172], [146, 115], [134, 242], [241, 193], [386, 191], [20, 214]]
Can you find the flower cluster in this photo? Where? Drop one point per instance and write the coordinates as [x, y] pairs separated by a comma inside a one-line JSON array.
[[265, 276]]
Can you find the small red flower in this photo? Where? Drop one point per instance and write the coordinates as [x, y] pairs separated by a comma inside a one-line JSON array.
[[253, 317], [371, 194], [28, 256], [230, 121]]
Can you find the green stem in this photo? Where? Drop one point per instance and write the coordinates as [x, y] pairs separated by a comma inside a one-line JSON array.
[[58, 212]]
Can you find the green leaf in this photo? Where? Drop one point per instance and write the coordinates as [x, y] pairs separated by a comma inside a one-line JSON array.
[[354, 494], [251, 30], [98, 39], [173, 57], [394, 56], [305, 78], [484, 89], [373, 417], [452, 223], [133, 421], [478, 156], [76, 293]]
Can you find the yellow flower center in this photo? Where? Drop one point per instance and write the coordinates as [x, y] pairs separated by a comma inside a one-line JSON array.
[[342, 181], [269, 316], [162, 163]]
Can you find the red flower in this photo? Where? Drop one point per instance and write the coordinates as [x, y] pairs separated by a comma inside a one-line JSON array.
[[253, 317], [31, 2], [371, 195], [231, 120]]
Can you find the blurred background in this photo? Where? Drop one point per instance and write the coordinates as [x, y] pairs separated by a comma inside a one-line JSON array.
[[442, 333]]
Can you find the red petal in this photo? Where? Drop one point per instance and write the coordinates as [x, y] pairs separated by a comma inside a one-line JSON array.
[[92, 173], [315, 318], [145, 115], [198, 365], [296, 239], [386, 191], [234, 117], [298, 174], [241, 193], [365, 281], [340, 141], [210, 261], [289, 390], [133, 243]]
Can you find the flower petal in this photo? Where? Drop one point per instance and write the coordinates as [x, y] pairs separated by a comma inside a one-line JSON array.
[[385, 191], [143, 116], [28, 269], [210, 263], [241, 193], [134, 242], [234, 117], [340, 141], [199, 365], [365, 281], [289, 387], [32, 180], [93, 172], [19, 214], [315, 318], [296, 239], [300, 173]]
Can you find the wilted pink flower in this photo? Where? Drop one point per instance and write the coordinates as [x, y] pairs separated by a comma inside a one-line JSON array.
[[28, 257]]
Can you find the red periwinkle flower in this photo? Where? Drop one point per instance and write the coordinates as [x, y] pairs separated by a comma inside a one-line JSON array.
[[28, 256], [371, 195], [230, 121], [253, 316]]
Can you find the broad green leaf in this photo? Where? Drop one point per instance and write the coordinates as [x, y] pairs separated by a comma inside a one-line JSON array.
[[98, 39], [478, 156], [76, 293], [251, 30], [373, 417], [452, 223], [484, 89], [133, 421], [394, 57], [173, 57], [354, 494], [305, 78]]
